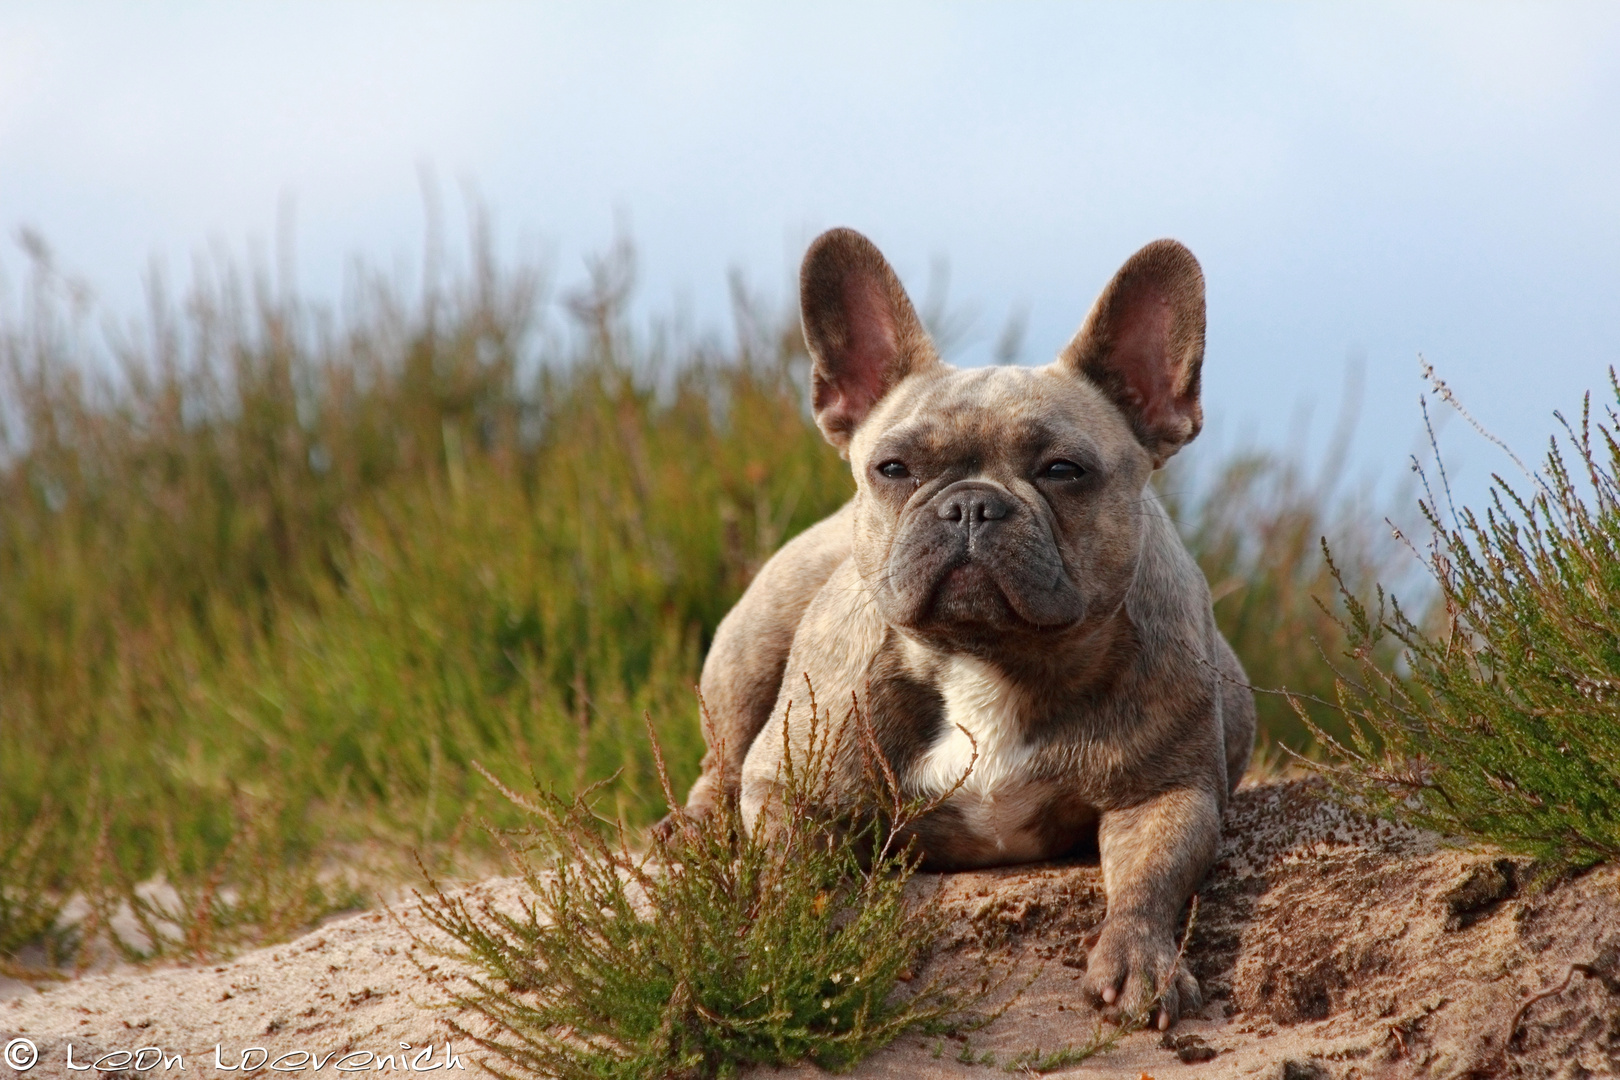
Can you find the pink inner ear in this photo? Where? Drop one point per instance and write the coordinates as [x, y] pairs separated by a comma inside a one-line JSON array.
[[872, 344], [1141, 355]]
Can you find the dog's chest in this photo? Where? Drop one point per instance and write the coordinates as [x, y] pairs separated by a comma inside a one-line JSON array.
[[983, 746]]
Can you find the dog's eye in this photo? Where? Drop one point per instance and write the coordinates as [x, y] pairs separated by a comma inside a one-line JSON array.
[[1063, 470], [894, 470]]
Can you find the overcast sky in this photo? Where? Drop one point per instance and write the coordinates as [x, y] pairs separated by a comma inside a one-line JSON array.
[[1358, 181]]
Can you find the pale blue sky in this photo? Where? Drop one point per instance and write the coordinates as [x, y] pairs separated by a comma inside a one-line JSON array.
[[1357, 180]]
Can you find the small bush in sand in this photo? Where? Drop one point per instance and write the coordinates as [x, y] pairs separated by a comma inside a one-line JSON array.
[[712, 949], [1507, 729]]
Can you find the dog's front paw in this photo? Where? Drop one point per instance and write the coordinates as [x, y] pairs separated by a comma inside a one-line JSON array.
[[667, 829], [1133, 969]]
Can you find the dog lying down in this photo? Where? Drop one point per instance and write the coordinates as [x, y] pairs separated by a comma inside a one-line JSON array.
[[1004, 585]]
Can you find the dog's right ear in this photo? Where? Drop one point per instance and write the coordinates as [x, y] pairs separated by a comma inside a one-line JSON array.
[[864, 335], [1143, 346]]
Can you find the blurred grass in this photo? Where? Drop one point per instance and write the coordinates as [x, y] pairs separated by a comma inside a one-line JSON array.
[[273, 575], [1255, 520]]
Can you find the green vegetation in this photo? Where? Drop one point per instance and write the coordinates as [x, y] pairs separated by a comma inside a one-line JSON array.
[[1037, 1062], [710, 950], [275, 579], [269, 582], [1507, 728], [272, 576]]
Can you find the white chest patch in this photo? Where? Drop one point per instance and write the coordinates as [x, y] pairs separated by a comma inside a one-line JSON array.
[[979, 699]]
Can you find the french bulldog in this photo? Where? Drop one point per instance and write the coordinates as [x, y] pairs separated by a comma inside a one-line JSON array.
[[1004, 600]]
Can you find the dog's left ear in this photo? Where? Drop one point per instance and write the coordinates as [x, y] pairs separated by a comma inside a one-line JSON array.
[[1143, 345], [864, 335]]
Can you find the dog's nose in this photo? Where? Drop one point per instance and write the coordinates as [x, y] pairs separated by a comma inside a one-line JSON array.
[[973, 503]]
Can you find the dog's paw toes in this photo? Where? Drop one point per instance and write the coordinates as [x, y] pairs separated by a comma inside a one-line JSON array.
[[1192, 997], [1105, 974], [667, 829], [1135, 976], [1178, 999]]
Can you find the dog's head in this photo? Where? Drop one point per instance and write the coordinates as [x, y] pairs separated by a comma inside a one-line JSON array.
[[1001, 503]]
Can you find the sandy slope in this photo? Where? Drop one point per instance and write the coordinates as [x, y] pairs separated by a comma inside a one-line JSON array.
[[1329, 946]]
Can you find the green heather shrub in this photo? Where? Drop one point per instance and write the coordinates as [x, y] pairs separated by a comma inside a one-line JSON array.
[[1507, 728], [711, 949]]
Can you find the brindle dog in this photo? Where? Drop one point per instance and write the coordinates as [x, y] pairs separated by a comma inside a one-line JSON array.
[[1003, 570]]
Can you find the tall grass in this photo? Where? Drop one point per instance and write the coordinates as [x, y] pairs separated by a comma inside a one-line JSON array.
[[272, 575], [1255, 521], [257, 561]]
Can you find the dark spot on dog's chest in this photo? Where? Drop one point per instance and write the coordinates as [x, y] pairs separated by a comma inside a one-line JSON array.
[[907, 712]]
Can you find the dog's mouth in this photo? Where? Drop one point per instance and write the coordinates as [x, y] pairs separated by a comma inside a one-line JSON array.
[[970, 593], [975, 560], [969, 587]]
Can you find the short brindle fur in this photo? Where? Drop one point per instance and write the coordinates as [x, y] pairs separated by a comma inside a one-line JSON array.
[[1004, 592]]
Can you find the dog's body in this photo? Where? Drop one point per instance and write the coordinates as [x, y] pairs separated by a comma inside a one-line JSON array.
[[1005, 601]]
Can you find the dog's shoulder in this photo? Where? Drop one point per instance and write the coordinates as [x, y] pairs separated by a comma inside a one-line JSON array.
[[758, 631], [837, 638], [835, 642], [790, 579], [742, 673], [1168, 601]]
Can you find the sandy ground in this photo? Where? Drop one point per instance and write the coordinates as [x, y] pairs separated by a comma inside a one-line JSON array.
[[1328, 946]]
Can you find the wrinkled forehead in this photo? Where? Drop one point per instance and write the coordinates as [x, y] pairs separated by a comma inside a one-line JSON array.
[[994, 411]]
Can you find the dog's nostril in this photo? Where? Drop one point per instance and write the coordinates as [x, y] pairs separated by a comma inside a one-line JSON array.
[[973, 508]]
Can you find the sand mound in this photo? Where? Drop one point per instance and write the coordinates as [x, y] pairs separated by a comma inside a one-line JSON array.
[[1329, 946]]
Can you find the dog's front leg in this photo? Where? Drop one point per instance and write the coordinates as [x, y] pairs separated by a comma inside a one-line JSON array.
[[1153, 855]]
